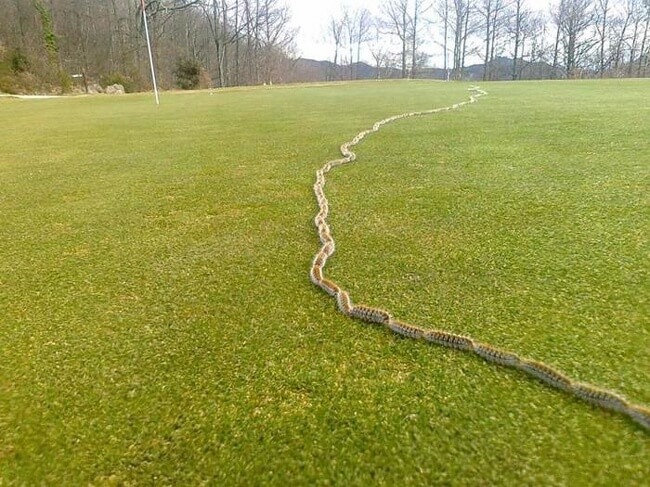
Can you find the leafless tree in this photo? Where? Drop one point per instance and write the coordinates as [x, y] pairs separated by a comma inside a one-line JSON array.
[[638, 11], [396, 13], [277, 37], [356, 28], [418, 11], [335, 33], [462, 27], [443, 13], [404, 20], [574, 20], [644, 52], [378, 50], [601, 13], [350, 27], [493, 24], [363, 30], [518, 21]]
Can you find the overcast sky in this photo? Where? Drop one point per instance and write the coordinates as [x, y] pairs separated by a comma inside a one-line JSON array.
[[312, 16]]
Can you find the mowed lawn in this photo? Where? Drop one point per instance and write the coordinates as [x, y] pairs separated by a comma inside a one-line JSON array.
[[157, 323]]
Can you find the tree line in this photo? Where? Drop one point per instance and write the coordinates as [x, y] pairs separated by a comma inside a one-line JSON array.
[[572, 39], [56, 43], [195, 42]]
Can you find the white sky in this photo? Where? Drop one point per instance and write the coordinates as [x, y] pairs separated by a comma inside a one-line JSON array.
[[312, 17]]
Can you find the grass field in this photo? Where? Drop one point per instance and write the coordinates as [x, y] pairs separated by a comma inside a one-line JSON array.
[[158, 325]]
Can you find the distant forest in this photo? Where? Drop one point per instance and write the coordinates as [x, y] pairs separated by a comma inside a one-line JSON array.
[[67, 45]]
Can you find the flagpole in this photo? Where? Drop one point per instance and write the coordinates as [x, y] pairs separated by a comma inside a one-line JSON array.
[[146, 32]]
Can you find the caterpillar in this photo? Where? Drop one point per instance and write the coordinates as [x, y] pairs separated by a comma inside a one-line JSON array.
[[546, 374], [372, 315], [495, 355], [406, 329], [449, 340]]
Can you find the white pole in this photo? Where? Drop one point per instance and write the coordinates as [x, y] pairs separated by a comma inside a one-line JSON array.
[[153, 72]]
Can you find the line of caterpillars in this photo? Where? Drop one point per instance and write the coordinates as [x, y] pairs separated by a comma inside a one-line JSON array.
[[600, 397]]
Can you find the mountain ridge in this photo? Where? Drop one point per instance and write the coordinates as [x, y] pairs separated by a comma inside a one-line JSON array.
[[311, 70]]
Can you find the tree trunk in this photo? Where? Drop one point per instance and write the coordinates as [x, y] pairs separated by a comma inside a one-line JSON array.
[[517, 38], [488, 37], [465, 36]]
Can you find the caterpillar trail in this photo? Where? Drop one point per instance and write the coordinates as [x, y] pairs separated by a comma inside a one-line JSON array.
[[542, 372]]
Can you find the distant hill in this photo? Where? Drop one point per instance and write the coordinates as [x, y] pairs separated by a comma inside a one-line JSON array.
[[501, 69], [310, 70]]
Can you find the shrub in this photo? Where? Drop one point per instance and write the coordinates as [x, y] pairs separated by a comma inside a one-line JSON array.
[[18, 62], [8, 85], [65, 82], [188, 73]]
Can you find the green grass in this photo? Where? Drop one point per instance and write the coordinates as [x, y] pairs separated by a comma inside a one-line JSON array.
[[158, 325]]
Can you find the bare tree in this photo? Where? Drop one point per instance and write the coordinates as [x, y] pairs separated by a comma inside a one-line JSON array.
[[461, 14], [443, 12], [277, 37], [335, 32], [492, 13], [396, 13], [638, 10], [350, 27], [419, 9], [217, 15], [574, 19], [378, 49], [518, 21], [356, 26], [644, 52], [364, 27], [601, 13], [557, 15], [620, 21], [534, 36]]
